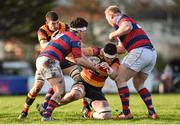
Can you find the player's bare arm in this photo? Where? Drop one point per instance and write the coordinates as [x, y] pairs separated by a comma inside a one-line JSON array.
[[120, 48], [84, 61], [123, 29], [43, 44]]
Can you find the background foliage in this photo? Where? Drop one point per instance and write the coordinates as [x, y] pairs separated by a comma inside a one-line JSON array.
[[22, 18]]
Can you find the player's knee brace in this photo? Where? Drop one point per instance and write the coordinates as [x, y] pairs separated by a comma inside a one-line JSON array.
[[103, 113]]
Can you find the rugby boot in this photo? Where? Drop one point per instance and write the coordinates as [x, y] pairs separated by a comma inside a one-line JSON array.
[[153, 116], [22, 115], [40, 109], [125, 117]]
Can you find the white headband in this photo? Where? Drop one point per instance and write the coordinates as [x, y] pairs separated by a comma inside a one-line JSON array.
[[79, 29], [108, 55]]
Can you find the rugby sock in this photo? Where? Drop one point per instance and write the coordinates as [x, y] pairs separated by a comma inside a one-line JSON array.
[[29, 100], [89, 114], [146, 96], [51, 106], [47, 97], [86, 104], [124, 96]]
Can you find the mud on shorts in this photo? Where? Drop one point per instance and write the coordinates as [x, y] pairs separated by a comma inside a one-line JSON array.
[[141, 59], [47, 68]]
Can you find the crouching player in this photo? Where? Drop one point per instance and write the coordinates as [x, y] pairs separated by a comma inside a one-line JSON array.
[[91, 83]]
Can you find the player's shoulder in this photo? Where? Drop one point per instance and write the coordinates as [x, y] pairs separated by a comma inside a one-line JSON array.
[[71, 36], [126, 18], [43, 28]]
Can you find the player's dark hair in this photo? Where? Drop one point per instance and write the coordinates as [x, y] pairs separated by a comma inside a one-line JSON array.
[[110, 49], [78, 23], [51, 15]]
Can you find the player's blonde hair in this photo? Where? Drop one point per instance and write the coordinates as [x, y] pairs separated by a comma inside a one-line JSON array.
[[113, 9]]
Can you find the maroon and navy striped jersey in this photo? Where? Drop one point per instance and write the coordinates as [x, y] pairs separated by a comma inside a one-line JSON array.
[[136, 38], [62, 45]]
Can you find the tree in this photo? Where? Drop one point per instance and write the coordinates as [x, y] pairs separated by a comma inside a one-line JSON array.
[[22, 18]]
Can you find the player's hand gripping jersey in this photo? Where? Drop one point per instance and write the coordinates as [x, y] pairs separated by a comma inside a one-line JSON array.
[[96, 79]]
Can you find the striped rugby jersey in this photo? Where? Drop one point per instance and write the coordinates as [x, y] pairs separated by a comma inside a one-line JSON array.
[[44, 33], [136, 38], [62, 45]]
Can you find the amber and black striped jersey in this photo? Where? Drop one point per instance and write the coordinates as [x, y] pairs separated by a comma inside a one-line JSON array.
[[44, 33]]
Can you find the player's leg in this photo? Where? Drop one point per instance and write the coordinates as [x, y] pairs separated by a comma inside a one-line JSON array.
[[86, 104], [140, 78], [39, 82], [138, 81], [98, 102], [73, 70], [101, 110], [48, 96], [51, 71], [77, 92], [131, 65], [124, 74], [58, 86], [42, 107]]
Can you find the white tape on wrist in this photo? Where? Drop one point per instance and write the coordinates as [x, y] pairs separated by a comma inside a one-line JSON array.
[[110, 71]]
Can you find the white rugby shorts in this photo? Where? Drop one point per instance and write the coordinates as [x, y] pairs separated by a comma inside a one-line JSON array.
[[47, 68], [140, 60]]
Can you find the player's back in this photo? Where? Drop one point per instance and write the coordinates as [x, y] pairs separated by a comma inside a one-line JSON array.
[[134, 39], [61, 45]]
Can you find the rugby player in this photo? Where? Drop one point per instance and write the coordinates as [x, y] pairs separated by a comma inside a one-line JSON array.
[[45, 33], [138, 63], [57, 49], [91, 83]]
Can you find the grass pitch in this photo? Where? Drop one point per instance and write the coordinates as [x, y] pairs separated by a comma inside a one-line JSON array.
[[166, 105]]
